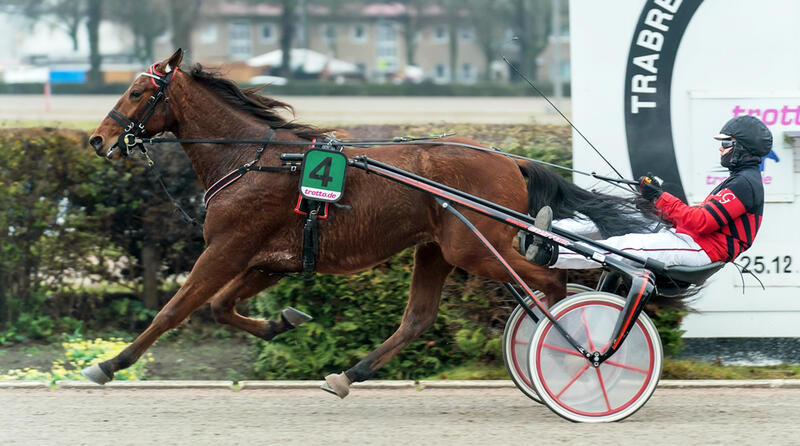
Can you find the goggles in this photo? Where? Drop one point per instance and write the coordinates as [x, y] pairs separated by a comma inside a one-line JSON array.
[[727, 143]]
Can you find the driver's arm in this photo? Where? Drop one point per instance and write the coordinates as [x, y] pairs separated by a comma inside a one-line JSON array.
[[716, 211]]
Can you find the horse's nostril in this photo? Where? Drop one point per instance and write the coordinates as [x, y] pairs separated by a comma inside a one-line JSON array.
[[96, 142]]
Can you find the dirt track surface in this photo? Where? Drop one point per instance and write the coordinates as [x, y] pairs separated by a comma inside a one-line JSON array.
[[318, 109], [385, 417]]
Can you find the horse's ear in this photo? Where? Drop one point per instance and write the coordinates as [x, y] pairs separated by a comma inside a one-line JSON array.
[[173, 62]]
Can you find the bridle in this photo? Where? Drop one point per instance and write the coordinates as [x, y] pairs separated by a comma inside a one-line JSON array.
[[131, 129]]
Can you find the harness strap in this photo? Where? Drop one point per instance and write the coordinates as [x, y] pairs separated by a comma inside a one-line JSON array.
[[222, 183], [311, 238], [234, 175]]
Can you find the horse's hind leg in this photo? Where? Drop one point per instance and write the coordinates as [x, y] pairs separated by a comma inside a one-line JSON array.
[[427, 280], [208, 276], [245, 286], [462, 249], [552, 282]]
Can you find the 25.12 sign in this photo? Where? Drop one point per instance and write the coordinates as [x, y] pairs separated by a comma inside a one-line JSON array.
[[761, 265]]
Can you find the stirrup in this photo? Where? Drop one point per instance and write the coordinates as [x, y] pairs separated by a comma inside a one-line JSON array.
[[539, 250], [544, 254]]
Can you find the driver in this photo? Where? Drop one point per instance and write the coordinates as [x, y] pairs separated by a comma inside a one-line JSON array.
[[719, 229]]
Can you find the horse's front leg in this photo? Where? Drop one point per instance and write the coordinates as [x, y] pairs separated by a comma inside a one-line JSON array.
[[427, 280], [209, 274], [244, 286]]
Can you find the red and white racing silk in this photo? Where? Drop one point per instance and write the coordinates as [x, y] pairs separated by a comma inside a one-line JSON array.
[[727, 221]]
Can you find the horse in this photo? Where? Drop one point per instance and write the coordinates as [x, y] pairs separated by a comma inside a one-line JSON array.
[[253, 237]]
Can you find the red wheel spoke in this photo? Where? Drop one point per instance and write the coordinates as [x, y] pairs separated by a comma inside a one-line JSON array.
[[562, 350], [603, 387], [521, 342], [586, 325], [572, 381], [562, 380], [625, 366]]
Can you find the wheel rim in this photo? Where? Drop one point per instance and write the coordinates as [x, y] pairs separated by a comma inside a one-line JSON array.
[[574, 389], [516, 343]]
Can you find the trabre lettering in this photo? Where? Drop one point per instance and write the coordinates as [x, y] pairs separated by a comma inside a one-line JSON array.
[[669, 5], [655, 19], [647, 62], [641, 83], [653, 40], [636, 104]]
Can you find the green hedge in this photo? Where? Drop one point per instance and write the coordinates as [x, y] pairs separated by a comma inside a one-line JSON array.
[[354, 314], [67, 217], [314, 88]]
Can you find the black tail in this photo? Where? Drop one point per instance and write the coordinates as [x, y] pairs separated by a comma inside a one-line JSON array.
[[612, 214]]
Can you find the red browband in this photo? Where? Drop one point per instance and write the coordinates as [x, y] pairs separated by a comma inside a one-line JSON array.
[[152, 70]]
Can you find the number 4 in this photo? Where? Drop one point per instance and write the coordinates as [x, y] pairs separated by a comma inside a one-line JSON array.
[[322, 172]]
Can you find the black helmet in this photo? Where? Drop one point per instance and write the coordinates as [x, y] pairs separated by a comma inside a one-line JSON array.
[[751, 134]]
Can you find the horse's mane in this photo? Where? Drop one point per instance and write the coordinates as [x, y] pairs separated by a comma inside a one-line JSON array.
[[613, 215], [262, 107]]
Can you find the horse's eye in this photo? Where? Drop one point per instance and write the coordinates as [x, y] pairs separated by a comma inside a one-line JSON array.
[[136, 94]]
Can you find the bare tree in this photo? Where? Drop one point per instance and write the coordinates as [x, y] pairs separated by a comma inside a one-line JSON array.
[[288, 29], [532, 26], [70, 15], [183, 16], [145, 20], [489, 21], [65, 14], [453, 13], [412, 24], [94, 13]]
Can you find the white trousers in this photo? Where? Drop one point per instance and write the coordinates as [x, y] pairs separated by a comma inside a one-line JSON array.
[[666, 246]]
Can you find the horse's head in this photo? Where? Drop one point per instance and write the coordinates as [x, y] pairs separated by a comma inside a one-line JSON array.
[[142, 110]]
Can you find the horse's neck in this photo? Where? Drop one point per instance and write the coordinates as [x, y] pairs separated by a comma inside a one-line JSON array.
[[205, 116]]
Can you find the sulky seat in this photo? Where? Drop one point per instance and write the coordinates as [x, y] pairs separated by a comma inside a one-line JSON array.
[[694, 275]]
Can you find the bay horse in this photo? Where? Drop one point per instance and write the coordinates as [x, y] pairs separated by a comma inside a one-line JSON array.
[[253, 236]]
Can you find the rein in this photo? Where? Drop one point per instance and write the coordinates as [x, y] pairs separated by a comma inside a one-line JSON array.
[[396, 141], [134, 136]]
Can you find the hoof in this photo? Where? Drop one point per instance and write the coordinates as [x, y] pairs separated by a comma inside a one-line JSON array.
[[338, 385], [295, 317], [96, 375]]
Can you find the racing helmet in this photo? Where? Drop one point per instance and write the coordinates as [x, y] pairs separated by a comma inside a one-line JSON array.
[[752, 135]]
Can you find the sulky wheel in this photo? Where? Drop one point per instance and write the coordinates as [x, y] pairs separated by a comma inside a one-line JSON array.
[[517, 337], [569, 385]]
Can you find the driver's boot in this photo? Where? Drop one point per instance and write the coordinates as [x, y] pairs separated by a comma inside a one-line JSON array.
[[539, 250]]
